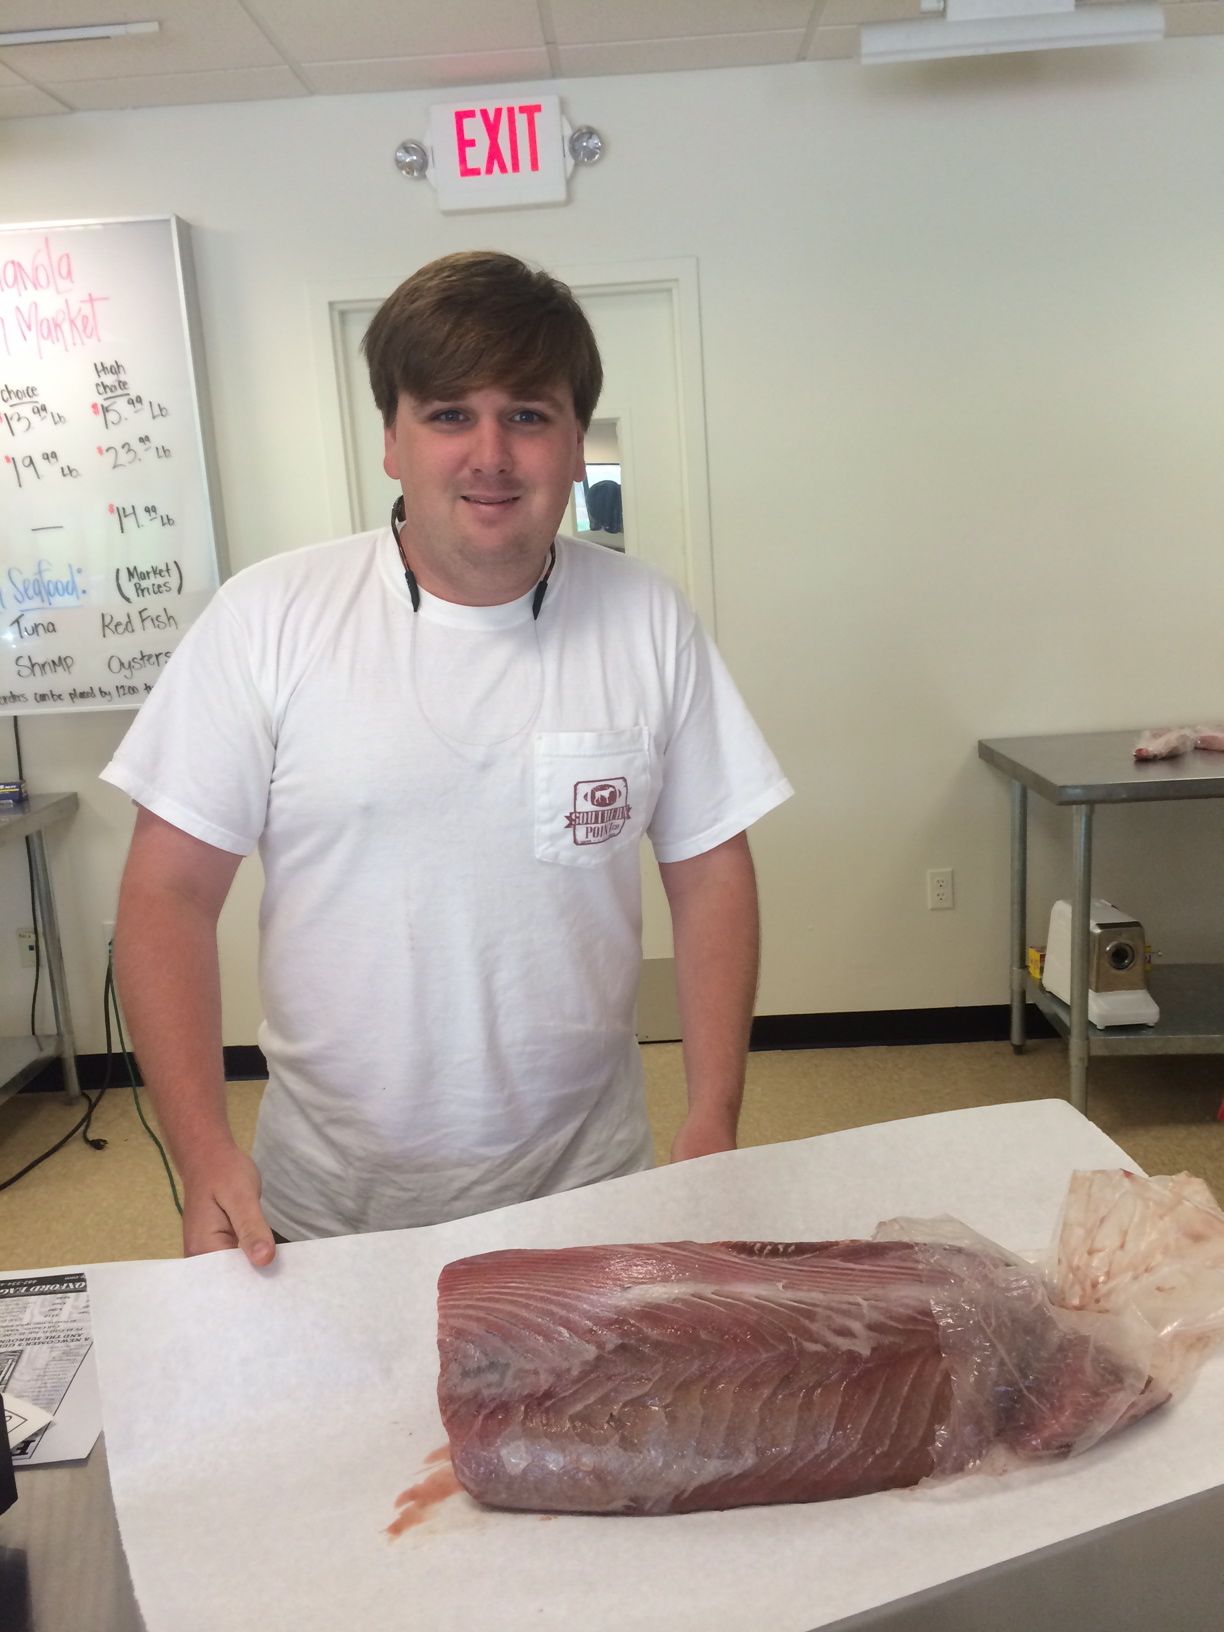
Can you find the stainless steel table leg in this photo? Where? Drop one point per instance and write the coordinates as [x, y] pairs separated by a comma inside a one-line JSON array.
[[1019, 906], [1081, 913], [55, 962]]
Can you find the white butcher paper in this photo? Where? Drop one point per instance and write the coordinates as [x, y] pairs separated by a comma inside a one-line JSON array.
[[259, 1425]]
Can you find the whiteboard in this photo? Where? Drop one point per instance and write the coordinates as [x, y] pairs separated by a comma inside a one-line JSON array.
[[110, 545]]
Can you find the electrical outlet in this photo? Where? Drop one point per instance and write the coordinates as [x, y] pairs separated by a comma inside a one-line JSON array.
[[108, 935], [27, 940], [941, 891]]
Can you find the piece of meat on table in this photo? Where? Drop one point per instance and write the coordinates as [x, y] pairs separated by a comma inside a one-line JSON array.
[[1210, 737], [1165, 742], [676, 1377]]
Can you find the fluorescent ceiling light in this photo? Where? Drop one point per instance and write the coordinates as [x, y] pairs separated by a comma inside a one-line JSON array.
[[982, 28], [85, 31]]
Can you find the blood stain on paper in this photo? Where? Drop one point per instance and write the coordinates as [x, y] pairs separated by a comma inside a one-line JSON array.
[[419, 1500]]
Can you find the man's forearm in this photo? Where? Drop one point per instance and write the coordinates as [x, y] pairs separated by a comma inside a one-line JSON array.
[[713, 904], [169, 983]]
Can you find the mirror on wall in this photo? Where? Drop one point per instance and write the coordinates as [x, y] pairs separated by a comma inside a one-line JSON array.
[[597, 510]]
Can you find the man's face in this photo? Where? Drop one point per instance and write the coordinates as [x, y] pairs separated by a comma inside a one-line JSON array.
[[486, 478]]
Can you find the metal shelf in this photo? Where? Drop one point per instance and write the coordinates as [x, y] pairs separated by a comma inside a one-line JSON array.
[[39, 811], [1190, 997], [1100, 768]]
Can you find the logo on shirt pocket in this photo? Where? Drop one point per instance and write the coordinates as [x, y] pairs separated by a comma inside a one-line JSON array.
[[594, 794], [600, 811]]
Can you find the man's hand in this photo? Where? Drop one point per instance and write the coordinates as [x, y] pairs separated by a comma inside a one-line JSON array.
[[221, 1209], [702, 1136]]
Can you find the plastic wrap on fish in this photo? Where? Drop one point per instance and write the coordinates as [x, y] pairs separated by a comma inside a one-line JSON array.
[[679, 1376]]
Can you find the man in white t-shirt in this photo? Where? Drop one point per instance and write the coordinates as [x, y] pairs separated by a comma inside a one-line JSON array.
[[447, 739]]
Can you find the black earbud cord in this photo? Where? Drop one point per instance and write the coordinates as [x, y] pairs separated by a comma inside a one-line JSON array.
[[397, 521]]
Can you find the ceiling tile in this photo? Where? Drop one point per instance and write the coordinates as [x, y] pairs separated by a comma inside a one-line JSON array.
[[21, 101], [232, 50], [661, 56], [174, 90], [594, 22], [322, 31], [192, 38], [831, 43], [426, 73], [1194, 17]]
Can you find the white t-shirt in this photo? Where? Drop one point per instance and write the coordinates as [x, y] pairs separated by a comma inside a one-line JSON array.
[[448, 808]]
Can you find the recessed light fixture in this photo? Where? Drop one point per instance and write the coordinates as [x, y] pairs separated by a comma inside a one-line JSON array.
[[983, 28], [83, 31]]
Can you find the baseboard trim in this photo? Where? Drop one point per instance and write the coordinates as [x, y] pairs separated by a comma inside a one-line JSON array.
[[865, 1028], [243, 1063], [876, 1028]]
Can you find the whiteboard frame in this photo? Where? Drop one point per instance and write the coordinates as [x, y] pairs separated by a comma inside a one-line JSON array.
[[205, 444]]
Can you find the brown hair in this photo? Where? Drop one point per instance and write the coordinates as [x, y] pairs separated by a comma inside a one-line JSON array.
[[476, 319]]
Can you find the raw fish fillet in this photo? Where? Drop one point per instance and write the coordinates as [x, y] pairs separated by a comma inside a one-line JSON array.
[[676, 1377]]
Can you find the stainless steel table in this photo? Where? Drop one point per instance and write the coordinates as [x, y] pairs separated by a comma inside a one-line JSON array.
[[22, 1058], [1083, 771], [62, 1567], [62, 1570]]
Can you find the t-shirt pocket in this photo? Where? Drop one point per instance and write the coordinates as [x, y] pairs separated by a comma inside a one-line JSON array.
[[594, 792]]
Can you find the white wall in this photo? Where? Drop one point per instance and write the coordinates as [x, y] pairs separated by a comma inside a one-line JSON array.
[[964, 357]]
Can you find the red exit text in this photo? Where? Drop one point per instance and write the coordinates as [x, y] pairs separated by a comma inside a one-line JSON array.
[[497, 141]]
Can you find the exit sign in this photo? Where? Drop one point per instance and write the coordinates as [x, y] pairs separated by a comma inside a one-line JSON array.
[[494, 155]]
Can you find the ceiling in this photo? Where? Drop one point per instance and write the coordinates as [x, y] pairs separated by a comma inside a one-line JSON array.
[[246, 50]]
